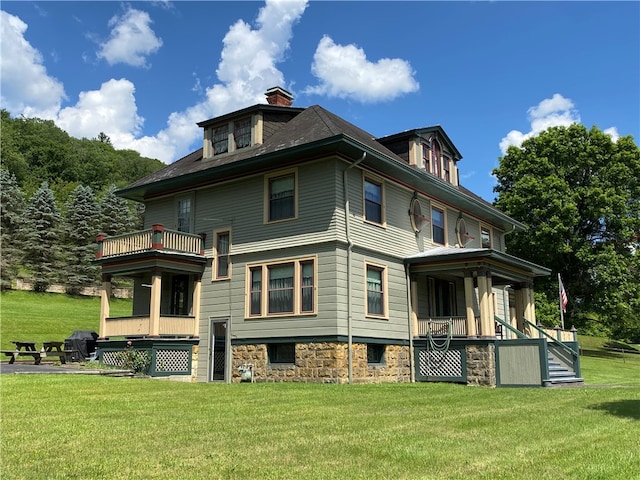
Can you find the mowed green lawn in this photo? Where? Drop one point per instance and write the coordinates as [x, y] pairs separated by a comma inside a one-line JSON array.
[[94, 427], [38, 317]]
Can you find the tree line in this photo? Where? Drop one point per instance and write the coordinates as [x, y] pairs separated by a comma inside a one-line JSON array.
[[57, 193]]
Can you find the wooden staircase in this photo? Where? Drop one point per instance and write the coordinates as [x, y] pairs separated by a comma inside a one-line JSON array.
[[560, 376]]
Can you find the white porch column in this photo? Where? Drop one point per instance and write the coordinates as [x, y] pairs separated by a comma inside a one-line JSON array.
[[197, 291], [105, 304], [154, 307], [469, 294]]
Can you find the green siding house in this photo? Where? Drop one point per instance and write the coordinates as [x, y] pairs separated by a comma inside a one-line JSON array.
[[294, 246]]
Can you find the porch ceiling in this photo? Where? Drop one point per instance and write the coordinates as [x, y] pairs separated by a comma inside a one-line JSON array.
[[134, 263], [504, 268]]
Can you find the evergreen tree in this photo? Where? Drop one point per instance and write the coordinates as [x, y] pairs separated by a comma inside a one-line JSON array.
[[115, 216], [12, 207], [41, 233], [81, 227]]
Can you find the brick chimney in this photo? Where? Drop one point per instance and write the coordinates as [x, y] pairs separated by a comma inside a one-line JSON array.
[[279, 96]]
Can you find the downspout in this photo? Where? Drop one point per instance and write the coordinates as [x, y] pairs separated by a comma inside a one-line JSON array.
[[410, 319], [347, 214]]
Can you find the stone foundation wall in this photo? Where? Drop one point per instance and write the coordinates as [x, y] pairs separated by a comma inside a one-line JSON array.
[[324, 362], [481, 365]]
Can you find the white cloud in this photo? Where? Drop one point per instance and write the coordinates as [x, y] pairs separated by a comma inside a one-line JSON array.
[[25, 85], [551, 112], [246, 70], [131, 41], [345, 72], [613, 133], [111, 110]]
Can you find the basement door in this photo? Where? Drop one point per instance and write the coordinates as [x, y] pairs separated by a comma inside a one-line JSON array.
[[218, 341]]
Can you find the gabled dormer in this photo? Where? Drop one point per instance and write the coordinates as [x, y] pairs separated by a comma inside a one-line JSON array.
[[428, 149], [248, 127]]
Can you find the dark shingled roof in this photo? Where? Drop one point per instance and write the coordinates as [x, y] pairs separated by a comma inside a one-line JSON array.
[[311, 133], [311, 125]]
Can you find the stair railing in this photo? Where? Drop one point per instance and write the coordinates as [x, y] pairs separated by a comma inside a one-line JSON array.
[[515, 331], [562, 345]]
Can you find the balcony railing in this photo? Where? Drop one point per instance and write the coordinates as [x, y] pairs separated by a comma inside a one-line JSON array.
[[156, 238], [136, 326]]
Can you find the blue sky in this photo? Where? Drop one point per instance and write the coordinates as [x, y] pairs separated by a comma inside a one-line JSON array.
[[490, 73]]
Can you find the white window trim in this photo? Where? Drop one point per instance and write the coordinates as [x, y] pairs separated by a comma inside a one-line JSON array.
[[383, 193], [297, 288], [385, 291], [267, 201], [214, 264]]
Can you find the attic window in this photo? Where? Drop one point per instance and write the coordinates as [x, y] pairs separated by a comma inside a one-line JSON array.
[[242, 133], [221, 139]]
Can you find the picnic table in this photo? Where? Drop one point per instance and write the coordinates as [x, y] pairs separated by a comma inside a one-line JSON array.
[[27, 348]]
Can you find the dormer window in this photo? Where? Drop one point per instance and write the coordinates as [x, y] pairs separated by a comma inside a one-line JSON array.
[[229, 137], [446, 169], [242, 133], [221, 139], [435, 158]]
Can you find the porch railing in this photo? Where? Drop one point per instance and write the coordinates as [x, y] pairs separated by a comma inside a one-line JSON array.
[[156, 238], [440, 325], [134, 326]]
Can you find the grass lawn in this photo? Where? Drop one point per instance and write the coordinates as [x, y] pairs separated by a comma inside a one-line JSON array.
[[90, 427], [93, 427], [40, 317]]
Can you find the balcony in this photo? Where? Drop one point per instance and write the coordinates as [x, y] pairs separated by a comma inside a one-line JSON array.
[[157, 238], [140, 326]]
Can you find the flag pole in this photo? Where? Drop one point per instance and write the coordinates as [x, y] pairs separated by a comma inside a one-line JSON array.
[[560, 301]]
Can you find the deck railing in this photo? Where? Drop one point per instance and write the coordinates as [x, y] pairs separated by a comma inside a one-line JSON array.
[[156, 238], [135, 326]]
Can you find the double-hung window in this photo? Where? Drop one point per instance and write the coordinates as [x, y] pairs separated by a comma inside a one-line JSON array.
[[281, 196], [376, 290], [437, 225], [373, 201], [221, 258], [282, 288]]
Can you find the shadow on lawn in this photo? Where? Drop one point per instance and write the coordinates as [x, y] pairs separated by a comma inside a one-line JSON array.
[[621, 408]]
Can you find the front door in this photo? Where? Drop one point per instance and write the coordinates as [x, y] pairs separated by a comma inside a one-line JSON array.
[[218, 339]]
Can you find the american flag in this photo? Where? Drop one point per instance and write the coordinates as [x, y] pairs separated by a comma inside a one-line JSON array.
[[563, 295]]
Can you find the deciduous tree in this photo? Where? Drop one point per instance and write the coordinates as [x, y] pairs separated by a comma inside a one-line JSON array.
[[579, 193]]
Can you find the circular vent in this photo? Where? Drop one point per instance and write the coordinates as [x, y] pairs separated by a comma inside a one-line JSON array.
[[463, 235], [415, 212]]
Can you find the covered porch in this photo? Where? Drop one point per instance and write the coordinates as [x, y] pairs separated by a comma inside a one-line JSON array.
[[166, 269], [461, 291], [473, 321]]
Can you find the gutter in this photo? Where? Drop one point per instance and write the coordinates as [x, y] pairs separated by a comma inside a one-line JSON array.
[[347, 214]]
